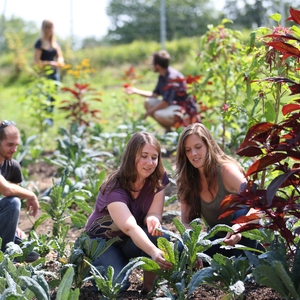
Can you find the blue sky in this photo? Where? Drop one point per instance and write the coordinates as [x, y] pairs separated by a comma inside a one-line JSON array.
[[89, 16]]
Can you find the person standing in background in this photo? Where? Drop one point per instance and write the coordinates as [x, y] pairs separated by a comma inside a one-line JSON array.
[[48, 55]]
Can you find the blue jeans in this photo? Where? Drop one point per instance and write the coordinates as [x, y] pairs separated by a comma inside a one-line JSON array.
[[10, 208], [119, 254]]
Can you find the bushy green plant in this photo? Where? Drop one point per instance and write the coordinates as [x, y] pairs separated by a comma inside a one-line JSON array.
[[36, 104], [193, 242], [57, 206], [22, 281], [76, 152], [109, 286], [227, 274], [222, 61], [83, 253]]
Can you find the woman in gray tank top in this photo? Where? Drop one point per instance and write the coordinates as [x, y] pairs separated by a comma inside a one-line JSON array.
[[205, 175]]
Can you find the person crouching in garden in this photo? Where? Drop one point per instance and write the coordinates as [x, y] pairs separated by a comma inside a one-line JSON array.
[[130, 205], [205, 175]]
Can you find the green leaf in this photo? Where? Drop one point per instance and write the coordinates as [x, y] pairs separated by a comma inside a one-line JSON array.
[[200, 277], [164, 245], [285, 278], [40, 220], [65, 285], [78, 220], [36, 288], [276, 17], [225, 21], [265, 275], [179, 226]]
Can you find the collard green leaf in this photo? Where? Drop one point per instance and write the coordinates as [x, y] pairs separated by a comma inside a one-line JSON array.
[[36, 288], [65, 285], [200, 277]]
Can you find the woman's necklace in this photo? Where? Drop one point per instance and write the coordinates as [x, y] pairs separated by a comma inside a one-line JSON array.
[[135, 191], [138, 190]]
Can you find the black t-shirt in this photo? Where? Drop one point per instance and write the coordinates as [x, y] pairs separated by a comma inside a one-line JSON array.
[[49, 54], [11, 171]]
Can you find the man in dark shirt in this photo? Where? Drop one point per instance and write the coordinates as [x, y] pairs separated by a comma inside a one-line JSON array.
[[10, 177], [171, 86]]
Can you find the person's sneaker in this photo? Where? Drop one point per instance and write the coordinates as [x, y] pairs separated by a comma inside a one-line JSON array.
[[31, 257]]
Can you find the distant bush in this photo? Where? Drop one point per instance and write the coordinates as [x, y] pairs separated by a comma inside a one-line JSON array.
[[136, 52]]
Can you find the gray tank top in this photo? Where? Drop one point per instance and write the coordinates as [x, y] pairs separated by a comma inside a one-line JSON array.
[[211, 210]]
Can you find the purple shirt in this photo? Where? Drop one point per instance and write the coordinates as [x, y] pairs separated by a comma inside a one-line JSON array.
[[100, 224]]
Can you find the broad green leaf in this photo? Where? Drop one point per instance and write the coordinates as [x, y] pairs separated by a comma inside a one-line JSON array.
[[65, 285], [265, 275], [36, 288], [78, 220], [276, 17], [200, 277], [165, 246]]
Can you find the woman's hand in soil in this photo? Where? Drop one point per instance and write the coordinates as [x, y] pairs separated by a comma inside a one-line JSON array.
[[160, 260]]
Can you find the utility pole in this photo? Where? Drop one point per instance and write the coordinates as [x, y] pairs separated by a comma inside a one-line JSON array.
[[281, 9], [282, 12], [2, 25], [71, 25], [163, 24]]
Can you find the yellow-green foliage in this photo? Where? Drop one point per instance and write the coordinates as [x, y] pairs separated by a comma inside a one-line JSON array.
[[136, 52]]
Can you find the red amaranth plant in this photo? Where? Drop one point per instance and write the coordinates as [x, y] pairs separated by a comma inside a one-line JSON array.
[[278, 149], [78, 109], [278, 146]]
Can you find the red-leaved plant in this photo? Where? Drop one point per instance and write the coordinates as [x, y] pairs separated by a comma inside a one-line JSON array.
[[277, 146], [79, 109]]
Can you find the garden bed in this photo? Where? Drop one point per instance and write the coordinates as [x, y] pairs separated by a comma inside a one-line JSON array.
[[43, 174]]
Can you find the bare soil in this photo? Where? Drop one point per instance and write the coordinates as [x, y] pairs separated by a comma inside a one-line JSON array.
[[42, 175]]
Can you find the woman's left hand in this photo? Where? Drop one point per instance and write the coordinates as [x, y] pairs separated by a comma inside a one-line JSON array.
[[232, 239]]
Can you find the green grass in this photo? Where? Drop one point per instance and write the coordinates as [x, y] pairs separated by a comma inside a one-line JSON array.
[[116, 107]]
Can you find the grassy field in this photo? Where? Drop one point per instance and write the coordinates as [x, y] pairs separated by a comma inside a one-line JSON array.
[[116, 107]]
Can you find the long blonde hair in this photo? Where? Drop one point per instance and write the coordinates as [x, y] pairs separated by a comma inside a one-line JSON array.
[[188, 177], [46, 24]]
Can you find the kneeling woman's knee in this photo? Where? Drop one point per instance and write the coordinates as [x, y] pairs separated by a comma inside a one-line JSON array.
[[15, 203]]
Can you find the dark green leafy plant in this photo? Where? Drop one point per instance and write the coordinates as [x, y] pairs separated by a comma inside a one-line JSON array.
[[110, 287], [225, 274], [278, 270], [84, 252], [73, 152], [22, 281], [193, 243], [65, 291]]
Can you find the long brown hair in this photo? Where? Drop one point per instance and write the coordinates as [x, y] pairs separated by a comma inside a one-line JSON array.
[[188, 177], [127, 172]]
